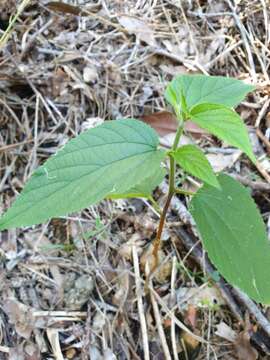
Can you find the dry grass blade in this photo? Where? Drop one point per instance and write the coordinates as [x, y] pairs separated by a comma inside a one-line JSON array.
[[66, 66], [53, 336], [140, 304], [159, 322], [4, 38]]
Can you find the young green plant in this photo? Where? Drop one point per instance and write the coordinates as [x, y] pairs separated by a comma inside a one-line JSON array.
[[122, 158]]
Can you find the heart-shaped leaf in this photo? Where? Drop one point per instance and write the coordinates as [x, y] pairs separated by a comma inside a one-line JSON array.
[[233, 233]]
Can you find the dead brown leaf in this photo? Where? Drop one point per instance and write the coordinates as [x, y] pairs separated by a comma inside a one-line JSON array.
[[164, 122], [63, 8], [58, 83], [191, 315], [21, 316], [226, 332], [139, 27], [125, 249], [194, 129], [243, 348], [122, 286], [190, 344]]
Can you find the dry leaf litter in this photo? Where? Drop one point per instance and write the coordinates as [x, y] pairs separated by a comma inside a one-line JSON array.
[[74, 288]]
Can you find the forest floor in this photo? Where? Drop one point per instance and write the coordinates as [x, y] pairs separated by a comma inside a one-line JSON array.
[[73, 288]]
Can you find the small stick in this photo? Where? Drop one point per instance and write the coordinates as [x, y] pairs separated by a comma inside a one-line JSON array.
[[13, 146], [159, 326], [140, 303], [254, 185], [173, 280], [262, 112], [245, 39], [263, 172], [172, 316], [209, 333], [77, 314], [264, 139]]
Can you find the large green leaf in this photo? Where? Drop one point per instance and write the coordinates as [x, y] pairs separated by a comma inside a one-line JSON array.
[[198, 89], [193, 161], [112, 157], [225, 124], [143, 189], [234, 236]]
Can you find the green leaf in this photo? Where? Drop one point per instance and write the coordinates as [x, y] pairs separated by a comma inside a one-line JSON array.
[[193, 161], [198, 89], [112, 157], [143, 189], [234, 236], [172, 96], [225, 124]]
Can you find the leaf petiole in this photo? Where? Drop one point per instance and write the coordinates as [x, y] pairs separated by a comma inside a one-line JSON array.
[[184, 192]]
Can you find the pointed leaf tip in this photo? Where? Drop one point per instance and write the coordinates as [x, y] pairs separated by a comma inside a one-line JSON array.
[[224, 123], [194, 162], [198, 89], [112, 157]]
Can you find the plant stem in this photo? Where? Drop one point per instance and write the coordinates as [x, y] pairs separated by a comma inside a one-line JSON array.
[[155, 205], [171, 192], [183, 192]]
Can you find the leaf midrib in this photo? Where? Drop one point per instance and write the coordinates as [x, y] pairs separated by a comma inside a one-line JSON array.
[[99, 168], [73, 182]]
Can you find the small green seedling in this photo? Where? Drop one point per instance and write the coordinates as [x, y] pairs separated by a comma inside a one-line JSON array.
[[122, 158]]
